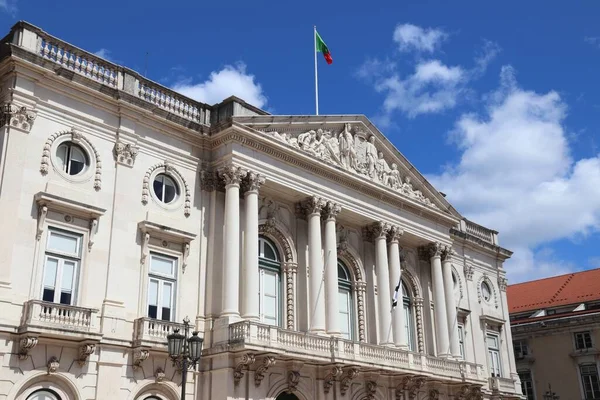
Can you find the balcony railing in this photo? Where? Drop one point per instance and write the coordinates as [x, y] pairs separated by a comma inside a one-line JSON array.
[[153, 332], [54, 318], [334, 350], [502, 384], [481, 232]]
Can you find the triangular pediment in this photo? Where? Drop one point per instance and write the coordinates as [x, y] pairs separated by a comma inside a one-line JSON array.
[[354, 144]]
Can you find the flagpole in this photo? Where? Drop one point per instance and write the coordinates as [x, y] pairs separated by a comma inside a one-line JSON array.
[[316, 75]]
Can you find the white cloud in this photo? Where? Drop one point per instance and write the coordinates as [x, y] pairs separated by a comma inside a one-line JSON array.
[[231, 80], [516, 174], [433, 87], [593, 40], [104, 53], [412, 37], [9, 6]]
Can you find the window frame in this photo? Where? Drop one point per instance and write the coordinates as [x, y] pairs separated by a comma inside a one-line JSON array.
[[67, 166], [461, 341], [175, 183], [523, 348], [494, 355], [523, 382], [270, 265], [61, 257], [595, 390], [162, 279], [583, 339], [409, 315], [345, 285]]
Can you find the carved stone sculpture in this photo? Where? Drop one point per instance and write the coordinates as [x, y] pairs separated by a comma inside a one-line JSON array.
[[243, 363], [261, 371], [125, 153], [53, 365]]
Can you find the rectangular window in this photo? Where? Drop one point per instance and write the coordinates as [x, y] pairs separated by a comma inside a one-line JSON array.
[[493, 346], [345, 304], [526, 384], [590, 381], [461, 340], [269, 296], [61, 266], [583, 340], [162, 280], [520, 348], [409, 326]]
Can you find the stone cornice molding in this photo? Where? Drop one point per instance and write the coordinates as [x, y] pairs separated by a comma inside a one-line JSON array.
[[493, 250]]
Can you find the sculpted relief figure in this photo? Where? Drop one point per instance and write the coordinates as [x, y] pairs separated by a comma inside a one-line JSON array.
[[351, 150]]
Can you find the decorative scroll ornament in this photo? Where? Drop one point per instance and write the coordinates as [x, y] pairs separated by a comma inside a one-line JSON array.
[[76, 137], [17, 117], [356, 151], [139, 356], [243, 363], [293, 381], [53, 365], [414, 386], [261, 371], [347, 378], [370, 389], [168, 169], [159, 375], [125, 153], [330, 378], [84, 352], [25, 345], [434, 394], [469, 270]]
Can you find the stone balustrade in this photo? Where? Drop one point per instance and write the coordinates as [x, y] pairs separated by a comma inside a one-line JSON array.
[[480, 232], [153, 332], [93, 67], [58, 319], [317, 348]]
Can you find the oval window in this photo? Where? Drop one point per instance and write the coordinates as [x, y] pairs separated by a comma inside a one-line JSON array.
[[165, 189], [72, 158]]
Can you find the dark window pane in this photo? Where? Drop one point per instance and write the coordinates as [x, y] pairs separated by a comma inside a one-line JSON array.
[[48, 295], [76, 167], [152, 311], [158, 189], [166, 314], [65, 298], [169, 193]]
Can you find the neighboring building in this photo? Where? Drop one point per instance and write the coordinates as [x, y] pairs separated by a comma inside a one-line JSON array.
[[556, 335], [126, 207]]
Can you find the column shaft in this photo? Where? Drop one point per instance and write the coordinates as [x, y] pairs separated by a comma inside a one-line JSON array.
[[450, 303], [315, 263], [441, 320], [384, 299], [398, 322], [250, 273], [331, 276]]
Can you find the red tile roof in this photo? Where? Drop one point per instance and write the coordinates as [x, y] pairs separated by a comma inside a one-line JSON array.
[[574, 288]]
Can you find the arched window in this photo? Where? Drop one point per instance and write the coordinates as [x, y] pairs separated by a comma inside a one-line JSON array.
[[346, 313], [409, 320], [270, 282], [44, 394]]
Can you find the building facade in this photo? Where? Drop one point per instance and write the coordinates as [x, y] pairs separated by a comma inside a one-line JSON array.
[[556, 335], [127, 207]]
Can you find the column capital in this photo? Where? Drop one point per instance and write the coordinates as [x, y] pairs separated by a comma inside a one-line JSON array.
[[232, 174], [395, 233], [253, 182], [331, 210], [312, 205], [430, 251], [380, 229], [447, 253]]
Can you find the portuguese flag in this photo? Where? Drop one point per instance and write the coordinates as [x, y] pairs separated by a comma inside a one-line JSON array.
[[322, 48]]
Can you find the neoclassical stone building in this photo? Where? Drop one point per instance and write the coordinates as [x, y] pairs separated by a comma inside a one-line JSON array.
[[286, 240]]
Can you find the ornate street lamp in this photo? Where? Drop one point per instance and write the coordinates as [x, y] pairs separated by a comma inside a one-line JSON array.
[[550, 395], [185, 352]]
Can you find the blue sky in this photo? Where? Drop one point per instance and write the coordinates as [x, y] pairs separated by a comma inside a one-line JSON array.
[[495, 102]]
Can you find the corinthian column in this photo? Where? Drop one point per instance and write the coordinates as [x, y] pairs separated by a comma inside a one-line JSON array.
[[450, 304], [330, 211], [434, 252], [399, 334], [384, 299], [250, 273], [313, 207], [232, 176]]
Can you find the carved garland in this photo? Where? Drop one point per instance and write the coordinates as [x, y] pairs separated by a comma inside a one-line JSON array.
[[486, 279], [168, 169], [76, 137], [458, 281], [290, 280]]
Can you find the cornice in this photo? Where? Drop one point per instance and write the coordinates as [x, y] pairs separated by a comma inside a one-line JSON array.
[[492, 249]]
